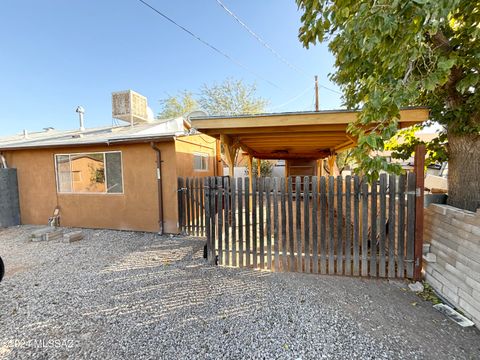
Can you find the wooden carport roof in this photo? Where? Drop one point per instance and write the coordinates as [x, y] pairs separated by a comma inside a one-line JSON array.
[[305, 135]]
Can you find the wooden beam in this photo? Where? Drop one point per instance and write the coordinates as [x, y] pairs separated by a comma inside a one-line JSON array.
[[250, 171], [292, 119], [230, 151]]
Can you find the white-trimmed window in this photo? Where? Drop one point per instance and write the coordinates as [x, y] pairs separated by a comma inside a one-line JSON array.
[[200, 161], [95, 172]]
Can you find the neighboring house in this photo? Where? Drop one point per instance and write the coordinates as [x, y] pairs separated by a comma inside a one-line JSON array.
[[108, 177]]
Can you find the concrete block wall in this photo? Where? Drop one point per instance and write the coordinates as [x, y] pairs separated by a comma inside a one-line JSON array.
[[9, 204], [454, 238]]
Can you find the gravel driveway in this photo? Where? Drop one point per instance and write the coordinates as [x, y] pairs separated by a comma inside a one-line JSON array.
[[119, 295]]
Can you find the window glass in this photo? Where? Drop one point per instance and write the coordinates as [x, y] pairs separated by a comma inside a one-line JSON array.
[[200, 161], [89, 172], [114, 172], [64, 175]]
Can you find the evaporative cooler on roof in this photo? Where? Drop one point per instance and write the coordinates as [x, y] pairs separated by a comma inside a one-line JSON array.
[[130, 106]]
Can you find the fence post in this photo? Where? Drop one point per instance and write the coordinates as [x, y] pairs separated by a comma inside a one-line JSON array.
[[419, 189], [180, 204], [208, 221]]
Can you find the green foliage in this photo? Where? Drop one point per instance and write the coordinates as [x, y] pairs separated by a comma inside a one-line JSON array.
[[266, 168], [428, 294], [403, 145], [395, 53], [344, 159], [231, 97], [177, 105]]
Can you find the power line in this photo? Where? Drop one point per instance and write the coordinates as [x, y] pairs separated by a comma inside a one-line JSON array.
[[196, 37], [292, 99], [266, 45]]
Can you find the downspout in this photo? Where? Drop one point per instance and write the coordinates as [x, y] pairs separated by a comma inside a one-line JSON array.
[[160, 187]]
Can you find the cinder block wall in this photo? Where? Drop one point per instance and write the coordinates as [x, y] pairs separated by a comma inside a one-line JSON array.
[[9, 205], [454, 237]]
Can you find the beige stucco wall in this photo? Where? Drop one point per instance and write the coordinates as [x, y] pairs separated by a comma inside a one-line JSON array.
[[186, 147], [136, 209]]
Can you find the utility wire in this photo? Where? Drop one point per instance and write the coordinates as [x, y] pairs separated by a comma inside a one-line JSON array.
[[266, 45], [238, 63], [309, 88]]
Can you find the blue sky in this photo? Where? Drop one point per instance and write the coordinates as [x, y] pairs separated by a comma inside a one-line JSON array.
[[57, 54]]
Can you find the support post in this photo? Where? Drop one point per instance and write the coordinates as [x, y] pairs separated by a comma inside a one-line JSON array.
[[331, 164], [259, 168], [250, 171], [419, 169]]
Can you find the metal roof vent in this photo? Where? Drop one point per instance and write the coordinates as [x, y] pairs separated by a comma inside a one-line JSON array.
[[80, 110]]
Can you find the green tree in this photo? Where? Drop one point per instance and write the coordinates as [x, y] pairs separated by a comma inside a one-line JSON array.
[[177, 105], [231, 97], [394, 53]]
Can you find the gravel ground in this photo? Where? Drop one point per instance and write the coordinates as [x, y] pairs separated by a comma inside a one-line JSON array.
[[136, 295]]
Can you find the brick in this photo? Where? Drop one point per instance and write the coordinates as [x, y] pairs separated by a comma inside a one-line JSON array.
[[462, 225], [473, 283], [457, 273], [470, 311], [450, 294], [430, 258], [438, 208], [447, 284], [73, 236], [470, 299], [55, 234], [437, 285], [470, 270]]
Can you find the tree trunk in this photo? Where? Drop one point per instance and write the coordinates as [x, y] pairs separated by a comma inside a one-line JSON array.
[[464, 171]]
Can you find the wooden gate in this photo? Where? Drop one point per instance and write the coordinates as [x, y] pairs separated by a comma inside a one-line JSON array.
[[324, 225]]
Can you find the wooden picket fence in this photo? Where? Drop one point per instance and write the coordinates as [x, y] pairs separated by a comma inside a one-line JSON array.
[[324, 225]]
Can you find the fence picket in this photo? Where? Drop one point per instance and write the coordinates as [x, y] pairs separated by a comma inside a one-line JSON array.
[[197, 207], [276, 263], [391, 227], [202, 208], [261, 186], [356, 235], [382, 225], [323, 225], [233, 190], [315, 224], [364, 227], [206, 184], [401, 227], [298, 224], [291, 239], [284, 223], [339, 225], [220, 219], [213, 212], [411, 187], [226, 187], [268, 188], [240, 221], [187, 198], [331, 225], [246, 191], [254, 221], [306, 223], [180, 197], [373, 230], [348, 225], [192, 207]]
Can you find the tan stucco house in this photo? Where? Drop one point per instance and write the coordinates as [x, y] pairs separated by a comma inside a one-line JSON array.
[[116, 177]]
